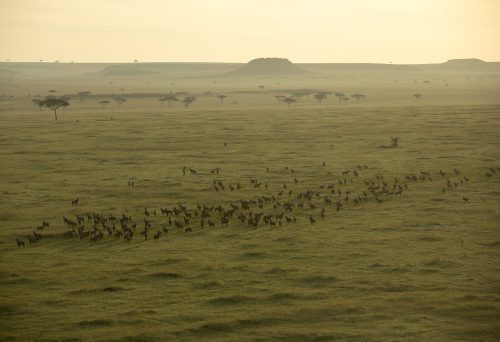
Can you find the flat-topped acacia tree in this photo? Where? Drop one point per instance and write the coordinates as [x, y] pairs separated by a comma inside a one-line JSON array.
[[103, 103], [169, 98], [340, 96], [188, 101], [280, 98], [54, 104], [120, 100], [358, 97], [289, 101], [83, 95], [221, 98], [320, 97]]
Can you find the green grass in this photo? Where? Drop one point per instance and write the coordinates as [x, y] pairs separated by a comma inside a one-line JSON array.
[[423, 266]]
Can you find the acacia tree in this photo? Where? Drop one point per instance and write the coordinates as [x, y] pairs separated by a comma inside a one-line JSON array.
[[340, 96], [280, 98], [261, 87], [320, 97], [54, 104], [83, 95], [169, 98], [358, 97], [188, 101], [289, 101], [221, 98], [103, 103], [120, 100], [417, 96], [394, 141]]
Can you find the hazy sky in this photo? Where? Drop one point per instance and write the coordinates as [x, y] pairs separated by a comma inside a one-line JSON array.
[[399, 31]]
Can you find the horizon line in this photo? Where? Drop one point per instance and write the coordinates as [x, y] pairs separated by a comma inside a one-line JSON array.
[[220, 62]]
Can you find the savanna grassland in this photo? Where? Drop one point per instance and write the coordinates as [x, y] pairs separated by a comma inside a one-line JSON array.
[[411, 253]]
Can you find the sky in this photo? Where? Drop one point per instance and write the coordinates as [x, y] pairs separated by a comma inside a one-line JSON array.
[[314, 31]]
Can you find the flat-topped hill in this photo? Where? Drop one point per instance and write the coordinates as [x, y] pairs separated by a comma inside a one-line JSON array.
[[269, 66], [465, 62]]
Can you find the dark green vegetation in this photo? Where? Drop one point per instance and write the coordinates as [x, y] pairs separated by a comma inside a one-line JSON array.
[[416, 264]]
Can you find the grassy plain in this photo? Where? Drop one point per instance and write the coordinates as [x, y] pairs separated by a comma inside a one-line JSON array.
[[420, 266]]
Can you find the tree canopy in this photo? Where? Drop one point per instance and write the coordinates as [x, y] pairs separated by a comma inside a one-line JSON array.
[[120, 100], [188, 101], [221, 98], [83, 95], [320, 97], [289, 101], [54, 104]]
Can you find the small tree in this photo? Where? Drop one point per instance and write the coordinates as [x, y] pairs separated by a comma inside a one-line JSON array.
[[83, 95], [52, 92], [346, 99], [103, 103], [320, 97], [289, 101], [417, 97], [280, 98], [120, 100], [340, 96], [169, 98], [54, 104], [188, 101], [394, 141], [221, 98], [358, 97], [261, 87]]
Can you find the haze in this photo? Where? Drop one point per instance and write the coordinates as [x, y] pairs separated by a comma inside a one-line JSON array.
[[423, 31]]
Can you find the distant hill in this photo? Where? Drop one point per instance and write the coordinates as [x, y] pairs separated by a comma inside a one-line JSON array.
[[464, 65], [465, 62], [268, 66], [257, 67]]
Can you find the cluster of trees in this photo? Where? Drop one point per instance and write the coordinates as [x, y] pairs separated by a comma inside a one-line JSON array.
[[53, 102], [172, 97], [319, 96], [83, 95]]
